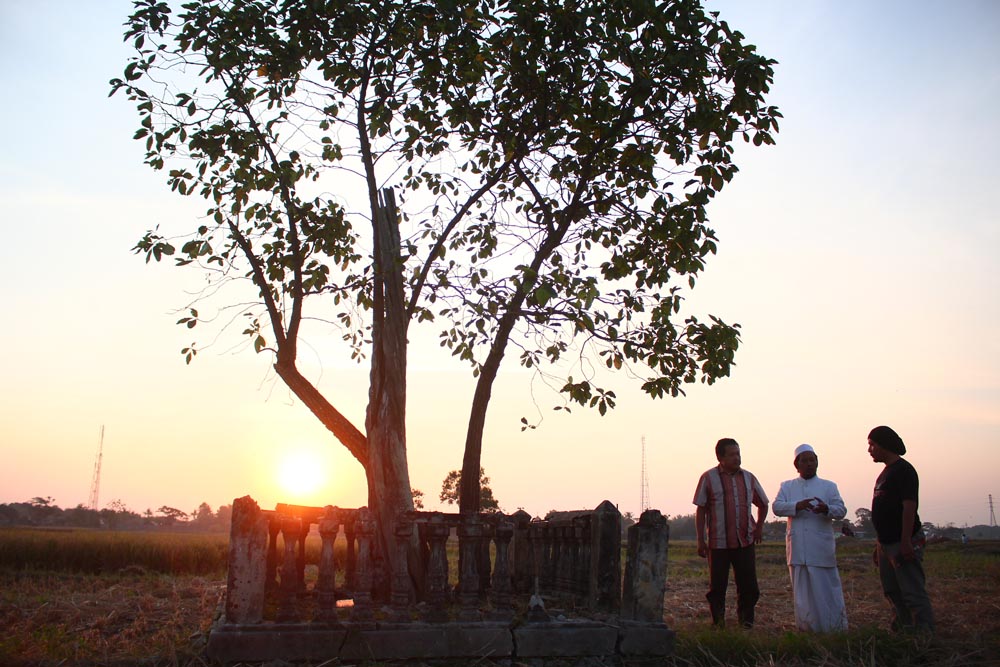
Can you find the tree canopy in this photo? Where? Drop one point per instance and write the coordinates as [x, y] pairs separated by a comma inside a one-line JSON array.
[[451, 485], [553, 162]]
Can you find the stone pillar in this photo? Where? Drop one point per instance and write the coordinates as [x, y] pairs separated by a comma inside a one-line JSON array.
[[606, 558], [522, 552], [246, 580], [646, 568], [502, 584], [288, 608], [329, 526], [470, 533], [435, 533], [364, 528], [401, 570]]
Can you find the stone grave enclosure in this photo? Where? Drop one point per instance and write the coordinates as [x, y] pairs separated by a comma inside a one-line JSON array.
[[523, 588]]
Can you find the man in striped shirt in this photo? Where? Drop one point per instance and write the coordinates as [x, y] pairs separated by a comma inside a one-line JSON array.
[[723, 497]]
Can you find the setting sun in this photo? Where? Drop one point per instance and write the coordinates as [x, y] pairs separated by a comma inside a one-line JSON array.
[[301, 473]]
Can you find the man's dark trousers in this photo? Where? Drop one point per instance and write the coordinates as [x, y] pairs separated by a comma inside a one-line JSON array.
[[743, 560]]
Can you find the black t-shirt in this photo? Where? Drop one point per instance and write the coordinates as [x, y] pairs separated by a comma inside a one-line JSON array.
[[898, 482]]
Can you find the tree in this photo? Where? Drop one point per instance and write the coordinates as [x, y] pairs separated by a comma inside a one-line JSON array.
[[170, 515], [418, 498], [203, 517], [864, 523], [555, 159], [452, 484]]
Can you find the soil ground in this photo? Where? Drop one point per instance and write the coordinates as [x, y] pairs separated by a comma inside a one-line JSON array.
[[132, 617]]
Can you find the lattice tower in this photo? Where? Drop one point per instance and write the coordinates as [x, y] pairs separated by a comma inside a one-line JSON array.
[[95, 484], [993, 516]]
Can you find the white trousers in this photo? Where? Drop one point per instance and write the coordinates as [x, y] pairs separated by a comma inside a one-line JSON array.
[[819, 598]]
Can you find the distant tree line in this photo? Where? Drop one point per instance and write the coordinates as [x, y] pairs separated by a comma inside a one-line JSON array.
[[43, 511]]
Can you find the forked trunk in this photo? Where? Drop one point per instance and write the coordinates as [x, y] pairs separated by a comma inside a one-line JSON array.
[[389, 491]]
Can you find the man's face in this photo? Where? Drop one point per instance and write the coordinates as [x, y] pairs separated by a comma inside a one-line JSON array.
[[876, 451], [730, 460], [807, 463]]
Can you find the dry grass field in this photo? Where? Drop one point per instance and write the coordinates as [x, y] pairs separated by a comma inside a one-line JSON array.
[[136, 616]]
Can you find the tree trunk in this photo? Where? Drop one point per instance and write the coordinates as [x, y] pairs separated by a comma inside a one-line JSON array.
[[389, 491]]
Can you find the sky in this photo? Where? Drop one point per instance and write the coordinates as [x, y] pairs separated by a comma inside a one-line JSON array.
[[858, 256]]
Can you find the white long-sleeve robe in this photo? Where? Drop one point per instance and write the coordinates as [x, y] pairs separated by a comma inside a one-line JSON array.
[[810, 549]]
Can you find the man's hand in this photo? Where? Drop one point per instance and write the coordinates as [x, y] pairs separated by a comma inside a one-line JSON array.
[[702, 549], [906, 551], [820, 507], [875, 554], [758, 533]]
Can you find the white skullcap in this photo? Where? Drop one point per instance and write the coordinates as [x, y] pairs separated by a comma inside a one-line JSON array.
[[803, 448]]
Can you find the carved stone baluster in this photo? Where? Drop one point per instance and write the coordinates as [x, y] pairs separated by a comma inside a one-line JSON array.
[[435, 533], [288, 609], [502, 580], [523, 556], [401, 570], [470, 533], [536, 538], [560, 556], [581, 566], [550, 550], [329, 526], [351, 568], [300, 561], [364, 528], [273, 528]]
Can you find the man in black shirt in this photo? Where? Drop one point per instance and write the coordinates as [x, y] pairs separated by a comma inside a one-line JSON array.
[[900, 547]]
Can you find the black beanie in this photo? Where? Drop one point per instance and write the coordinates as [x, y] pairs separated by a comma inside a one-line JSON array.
[[886, 438]]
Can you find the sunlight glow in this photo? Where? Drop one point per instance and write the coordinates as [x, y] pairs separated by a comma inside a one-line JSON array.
[[301, 473]]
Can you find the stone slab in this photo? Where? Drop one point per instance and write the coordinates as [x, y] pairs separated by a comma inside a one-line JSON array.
[[646, 640], [428, 640], [564, 639], [239, 643], [247, 643]]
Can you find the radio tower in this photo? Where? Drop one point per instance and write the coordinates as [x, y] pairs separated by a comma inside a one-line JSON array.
[[644, 493], [993, 516], [95, 484]]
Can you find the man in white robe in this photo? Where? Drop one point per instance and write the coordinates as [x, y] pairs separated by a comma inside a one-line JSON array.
[[811, 504]]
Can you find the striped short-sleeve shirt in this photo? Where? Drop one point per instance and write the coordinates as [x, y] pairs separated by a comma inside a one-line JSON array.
[[727, 499]]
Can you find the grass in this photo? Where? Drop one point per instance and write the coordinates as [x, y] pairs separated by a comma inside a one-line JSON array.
[[96, 607], [963, 581]]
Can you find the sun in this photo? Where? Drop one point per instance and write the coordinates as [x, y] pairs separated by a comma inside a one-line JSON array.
[[301, 473]]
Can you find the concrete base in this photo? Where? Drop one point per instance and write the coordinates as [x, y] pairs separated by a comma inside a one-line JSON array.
[[645, 639], [401, 641], [238, 643], [563, 639]]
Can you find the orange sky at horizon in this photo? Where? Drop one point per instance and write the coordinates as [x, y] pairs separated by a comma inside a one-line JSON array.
[[858, 254]]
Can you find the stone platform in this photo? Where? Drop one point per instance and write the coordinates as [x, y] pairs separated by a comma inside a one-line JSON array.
[[398, 641]]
